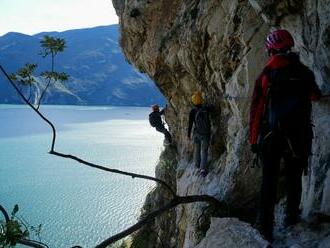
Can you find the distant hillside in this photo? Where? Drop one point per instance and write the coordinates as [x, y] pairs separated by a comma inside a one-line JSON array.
[[99, 73]]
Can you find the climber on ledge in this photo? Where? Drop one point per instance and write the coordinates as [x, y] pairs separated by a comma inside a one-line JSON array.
[[155, 121], [280, 127], [200, 119]]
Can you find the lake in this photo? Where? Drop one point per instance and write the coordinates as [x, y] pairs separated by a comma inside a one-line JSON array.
[[77, 205]]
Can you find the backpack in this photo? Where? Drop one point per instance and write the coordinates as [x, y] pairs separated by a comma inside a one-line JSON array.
[[153, 119], [288, 104], [202, 121]]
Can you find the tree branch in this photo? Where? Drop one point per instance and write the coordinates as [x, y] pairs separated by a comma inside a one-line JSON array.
[[52, 150], [5, 214], [31, 106], [32, 243], [151, 216], [125, 173], [43, 93]]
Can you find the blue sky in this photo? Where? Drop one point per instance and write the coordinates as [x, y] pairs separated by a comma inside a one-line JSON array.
[[34, 16]]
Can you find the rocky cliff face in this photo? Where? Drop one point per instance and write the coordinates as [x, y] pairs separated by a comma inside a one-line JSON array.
[[218, 47]]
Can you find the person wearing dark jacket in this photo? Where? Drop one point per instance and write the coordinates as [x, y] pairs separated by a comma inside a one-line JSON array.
[[199, 119], [155, 120], [280, 127]]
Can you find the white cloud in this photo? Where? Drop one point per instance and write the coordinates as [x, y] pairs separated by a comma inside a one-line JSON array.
[[35, 16]]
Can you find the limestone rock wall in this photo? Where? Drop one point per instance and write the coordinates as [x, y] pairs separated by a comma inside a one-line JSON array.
[[218, 47]]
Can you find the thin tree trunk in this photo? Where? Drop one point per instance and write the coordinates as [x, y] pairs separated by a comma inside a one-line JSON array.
[[48, 83]]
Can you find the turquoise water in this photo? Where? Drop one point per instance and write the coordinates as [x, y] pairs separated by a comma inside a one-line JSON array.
[[77, 205]]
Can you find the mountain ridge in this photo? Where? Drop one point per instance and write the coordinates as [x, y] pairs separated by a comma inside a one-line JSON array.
[[99, 73]]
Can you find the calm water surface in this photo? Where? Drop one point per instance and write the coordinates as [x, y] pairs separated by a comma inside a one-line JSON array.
[[77, 205]]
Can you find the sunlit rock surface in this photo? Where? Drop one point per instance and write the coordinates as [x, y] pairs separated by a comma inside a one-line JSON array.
[[231, 233], [218, 47]]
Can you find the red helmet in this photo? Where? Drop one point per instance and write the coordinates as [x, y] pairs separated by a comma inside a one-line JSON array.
[[279, 40], [155, 107]]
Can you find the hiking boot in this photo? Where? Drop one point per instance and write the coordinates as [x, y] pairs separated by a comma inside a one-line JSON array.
[[204, 173]]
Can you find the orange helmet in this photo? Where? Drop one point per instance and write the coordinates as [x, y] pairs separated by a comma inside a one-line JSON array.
[[197, 98]]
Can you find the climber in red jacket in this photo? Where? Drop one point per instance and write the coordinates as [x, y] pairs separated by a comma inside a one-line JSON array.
[[280, 126]]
